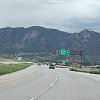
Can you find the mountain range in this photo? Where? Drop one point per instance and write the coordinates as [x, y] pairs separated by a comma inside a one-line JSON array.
[[37, 39]]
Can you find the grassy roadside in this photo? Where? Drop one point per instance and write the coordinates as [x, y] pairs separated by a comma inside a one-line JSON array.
[[2, 59], [86, 70], [5, 69]]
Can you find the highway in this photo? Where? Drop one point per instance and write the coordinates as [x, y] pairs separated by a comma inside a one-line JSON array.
[[38, 82]]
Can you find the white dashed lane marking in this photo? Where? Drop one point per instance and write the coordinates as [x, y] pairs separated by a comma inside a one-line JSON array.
[[56, 79], [51, 84], [32, 99]]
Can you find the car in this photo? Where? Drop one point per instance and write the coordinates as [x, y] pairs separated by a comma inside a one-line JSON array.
[[39, 64], [51, 66]]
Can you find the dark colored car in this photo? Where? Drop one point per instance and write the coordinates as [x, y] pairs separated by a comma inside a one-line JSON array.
[[51, 66], [39, 64]]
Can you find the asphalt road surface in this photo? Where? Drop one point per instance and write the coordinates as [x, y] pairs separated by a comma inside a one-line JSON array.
[[42, 83]]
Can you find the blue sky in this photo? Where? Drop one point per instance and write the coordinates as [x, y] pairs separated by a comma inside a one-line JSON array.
[[65, 15]]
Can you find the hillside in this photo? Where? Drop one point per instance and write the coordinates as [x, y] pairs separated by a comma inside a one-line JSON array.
[[38, 39]]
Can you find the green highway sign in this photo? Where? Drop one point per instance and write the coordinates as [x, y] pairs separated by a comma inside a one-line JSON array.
[[64, 52], [64, 62]]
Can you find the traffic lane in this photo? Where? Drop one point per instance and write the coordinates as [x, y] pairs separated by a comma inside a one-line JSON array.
[[18, 74], [95, 77], [28, 87], [88, 83], [18, 84], [72, 86]]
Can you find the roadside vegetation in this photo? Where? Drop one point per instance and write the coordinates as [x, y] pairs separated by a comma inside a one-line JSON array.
[[2, 59], [9, 68], [91, 70]]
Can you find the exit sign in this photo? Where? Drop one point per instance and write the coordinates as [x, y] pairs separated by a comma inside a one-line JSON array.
[[64, 52]]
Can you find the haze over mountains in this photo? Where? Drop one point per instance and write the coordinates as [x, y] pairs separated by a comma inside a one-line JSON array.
[[38, 39]]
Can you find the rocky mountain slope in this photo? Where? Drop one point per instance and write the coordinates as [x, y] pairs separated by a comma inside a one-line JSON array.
[[39, 39]]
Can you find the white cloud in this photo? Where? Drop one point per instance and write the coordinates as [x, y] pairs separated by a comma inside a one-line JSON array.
[[55, 1], [67, 15]]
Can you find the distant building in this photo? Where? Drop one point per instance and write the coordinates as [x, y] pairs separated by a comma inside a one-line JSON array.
[[19, 58]]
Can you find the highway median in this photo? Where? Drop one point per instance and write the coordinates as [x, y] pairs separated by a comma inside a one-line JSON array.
[[10, 68]]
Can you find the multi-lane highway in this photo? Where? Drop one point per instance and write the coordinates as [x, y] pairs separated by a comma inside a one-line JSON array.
[[42, 83]]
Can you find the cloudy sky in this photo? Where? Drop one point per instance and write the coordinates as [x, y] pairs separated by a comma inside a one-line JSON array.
[[66, 15]]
